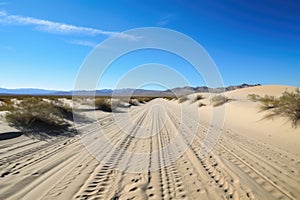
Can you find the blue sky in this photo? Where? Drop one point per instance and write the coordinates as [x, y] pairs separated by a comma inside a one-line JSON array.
[[43, 43]]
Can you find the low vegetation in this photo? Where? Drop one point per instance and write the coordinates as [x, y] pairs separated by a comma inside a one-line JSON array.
[[105, 104], [38, 117], [288, 105], [170, 98], [219, 100], [134, 102], [200, 104], [197, 98], [109, 104], [144, 99], [6, 104], [253, 97], [183, 99]]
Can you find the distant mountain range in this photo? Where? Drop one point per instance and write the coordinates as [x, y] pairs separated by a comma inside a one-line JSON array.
[[27, 91], [122, 92]]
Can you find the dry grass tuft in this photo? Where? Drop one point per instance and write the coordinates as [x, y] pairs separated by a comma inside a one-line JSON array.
[[6, 104], [288, 105], [197, 98], [201, 104], [182, 99], [107, 104], [170, 98], [34, 116], [144, 99], [219, 100], [134, 102]]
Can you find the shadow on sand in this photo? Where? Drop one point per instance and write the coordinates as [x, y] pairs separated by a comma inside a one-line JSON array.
[[10, 135]]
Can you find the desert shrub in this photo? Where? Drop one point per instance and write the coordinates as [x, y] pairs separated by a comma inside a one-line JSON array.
[[85, 101], [5, 99], [21, 97], [106, 104], [182, 99], [201, 104], [103, 104], [219, 100], [144, 99], [199, 97], [269, 102], [34, 116], [170, 98], [253, 97], [288, 105], [6, 104], [64, 109], [133, 102]]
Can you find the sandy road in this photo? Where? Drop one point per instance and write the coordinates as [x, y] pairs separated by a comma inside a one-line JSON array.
[[237, 168]]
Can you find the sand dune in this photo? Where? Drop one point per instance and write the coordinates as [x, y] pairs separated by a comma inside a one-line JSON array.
[[253, 159]]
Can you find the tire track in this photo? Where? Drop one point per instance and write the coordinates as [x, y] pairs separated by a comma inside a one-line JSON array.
[[105, 176]]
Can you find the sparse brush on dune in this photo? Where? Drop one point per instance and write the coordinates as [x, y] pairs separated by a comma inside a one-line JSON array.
[[144, 99], [35, 116], [5, 100], [288, 105], [183, 99], [253, 97], [65, 110], [6, 104], [170, 98], [201, 104], [197, 98], [106, 104], [134, 102], [219, 100], [269, 102], [85, 101]]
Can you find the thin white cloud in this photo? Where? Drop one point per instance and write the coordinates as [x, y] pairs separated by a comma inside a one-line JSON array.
[[83, 43], [57, 27], [165, 20], [5, 47], [3, 3], [2, 13]]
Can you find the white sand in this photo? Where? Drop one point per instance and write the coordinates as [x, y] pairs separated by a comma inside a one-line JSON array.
[[254, 158]]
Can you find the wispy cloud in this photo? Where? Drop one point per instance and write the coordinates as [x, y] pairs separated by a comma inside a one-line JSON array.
[[3, 3], [5, 47], [2, 13], [83, 43], [59, 28], [165, 20]]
